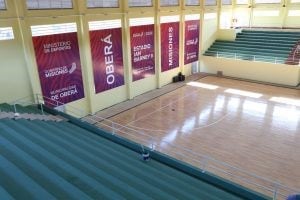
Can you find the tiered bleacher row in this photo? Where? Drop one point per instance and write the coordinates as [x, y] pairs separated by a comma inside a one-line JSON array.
[[44, 159], [256, 45]]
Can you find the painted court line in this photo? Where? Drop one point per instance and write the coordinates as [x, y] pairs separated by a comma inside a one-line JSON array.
[[172, 102]]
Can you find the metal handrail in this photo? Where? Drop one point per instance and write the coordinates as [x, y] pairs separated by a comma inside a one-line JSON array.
[[71, 109], [253, 57]]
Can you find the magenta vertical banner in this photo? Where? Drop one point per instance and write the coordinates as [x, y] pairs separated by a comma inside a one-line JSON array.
[[107, 56], [169, 46], [142, 51], [59, 68], [191, 42]]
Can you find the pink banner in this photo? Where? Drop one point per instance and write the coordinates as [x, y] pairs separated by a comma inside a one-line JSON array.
[[142, 51], [107, 56], [59, 68], [191, 42], [169, 46]]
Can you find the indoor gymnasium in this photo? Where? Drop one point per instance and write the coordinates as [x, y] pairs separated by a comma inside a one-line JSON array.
[[150, 99]]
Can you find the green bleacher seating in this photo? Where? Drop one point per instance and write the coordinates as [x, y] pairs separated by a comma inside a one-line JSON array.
[[257, 45], [61, 160]]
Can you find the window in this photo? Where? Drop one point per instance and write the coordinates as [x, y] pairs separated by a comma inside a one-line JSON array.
[[167, 19], [266, 13], [267, 1], [49, 4], [294, 13], [226, 2], [192, 2], [169, 3], [141, 21], [102, 3], [106, 24], [242, 2], [192, 17], [210, 2], [6, 33], [52, 29], [2, 5], [139, 3]]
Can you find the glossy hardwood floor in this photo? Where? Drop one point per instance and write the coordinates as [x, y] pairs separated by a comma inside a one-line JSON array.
[[251, 126]]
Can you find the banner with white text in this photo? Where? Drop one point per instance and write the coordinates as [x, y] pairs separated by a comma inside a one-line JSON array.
[[59, 68], [169, 45], [191, 42], [142, 51], [107, 56]]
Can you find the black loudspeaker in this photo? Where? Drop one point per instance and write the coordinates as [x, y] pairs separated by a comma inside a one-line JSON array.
[[175, 79], [179, 77]]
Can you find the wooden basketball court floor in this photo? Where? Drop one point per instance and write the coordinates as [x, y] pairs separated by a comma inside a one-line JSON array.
[[251, 126]]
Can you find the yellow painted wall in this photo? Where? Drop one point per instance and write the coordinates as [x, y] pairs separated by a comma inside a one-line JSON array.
[[209, 32], [268, 21], [227, 34], [259, 71], [14, 77]]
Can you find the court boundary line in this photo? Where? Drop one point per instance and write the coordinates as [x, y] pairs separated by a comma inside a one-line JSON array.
[[182, 84], [172, 102]]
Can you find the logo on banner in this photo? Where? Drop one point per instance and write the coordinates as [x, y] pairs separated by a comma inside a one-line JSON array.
[[52, 72]]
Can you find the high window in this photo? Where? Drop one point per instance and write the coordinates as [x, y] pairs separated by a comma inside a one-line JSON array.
[[266, 13], [267, 1], [169, 3], [49, 4], [242, 2], [106, 24], [6, 33], [226, 2], [192, 2], [294, 13], [139, 3], [210, 2], [51, 29], [2, 5], [102, 3]]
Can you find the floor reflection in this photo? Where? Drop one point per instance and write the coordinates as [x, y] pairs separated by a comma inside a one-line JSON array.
[[252, 126]]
